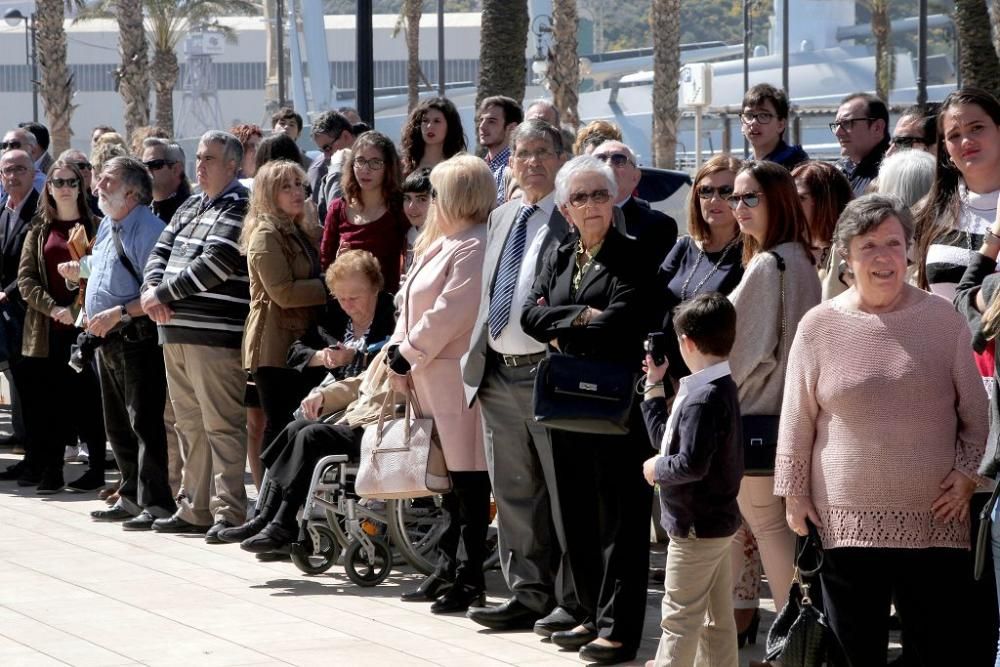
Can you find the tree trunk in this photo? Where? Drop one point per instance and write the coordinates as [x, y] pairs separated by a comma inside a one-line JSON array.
[[995, 16], [564, 64], [133, 75], [412, 10], [56, 85], [665, 21], [978, 61], [884, 61], [271, 70], [165, 74], [502, 43]]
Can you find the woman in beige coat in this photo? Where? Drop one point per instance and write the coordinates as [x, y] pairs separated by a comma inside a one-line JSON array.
[[285, 288], [440, 303]]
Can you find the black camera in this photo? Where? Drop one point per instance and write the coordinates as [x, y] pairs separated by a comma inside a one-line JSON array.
[[82, 351], [656, 347]]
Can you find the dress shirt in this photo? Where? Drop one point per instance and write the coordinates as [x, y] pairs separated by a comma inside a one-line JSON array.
[[11, 216], [110, 283], [498, 166], [512, 339], [689, 384]]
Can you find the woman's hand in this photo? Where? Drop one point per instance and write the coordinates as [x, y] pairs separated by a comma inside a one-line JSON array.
[[953, 503], [312, 405], [399, 383], [797, 510], [338, 356], [654, 373], [60, 314], [69, 271]]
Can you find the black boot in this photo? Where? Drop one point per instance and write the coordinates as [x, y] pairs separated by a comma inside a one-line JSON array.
[[269, 505]]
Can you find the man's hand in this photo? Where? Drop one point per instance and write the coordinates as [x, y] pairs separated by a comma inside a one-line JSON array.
[[160, 313], [149, 301], [70, 271], [654, 373], [312, 404], [103, 322], [63, 315], [3, 297], [649, 470]]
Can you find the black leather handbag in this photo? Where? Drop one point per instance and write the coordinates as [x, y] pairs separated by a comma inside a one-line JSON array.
[[583, 395]]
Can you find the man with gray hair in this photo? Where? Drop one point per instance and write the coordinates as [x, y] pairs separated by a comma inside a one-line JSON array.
[[165, 161], [129, 360], [543, 110], [19, 139], [197, 289]]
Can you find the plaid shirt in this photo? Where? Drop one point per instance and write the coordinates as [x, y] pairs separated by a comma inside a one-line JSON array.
[[498, 165]]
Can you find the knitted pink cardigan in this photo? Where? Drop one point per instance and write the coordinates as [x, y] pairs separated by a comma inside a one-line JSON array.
[[878, 410]]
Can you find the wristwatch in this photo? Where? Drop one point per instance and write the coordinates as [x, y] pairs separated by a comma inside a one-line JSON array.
[[126, 318]]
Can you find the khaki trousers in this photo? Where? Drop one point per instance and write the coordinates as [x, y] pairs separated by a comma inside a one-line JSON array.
[[698, 625], [175, 461], [206, 388], [764, 512]]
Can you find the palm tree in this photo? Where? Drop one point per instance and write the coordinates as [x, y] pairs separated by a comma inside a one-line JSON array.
[[56, 81], [884, 60], [978, 61], [133, 74], [564, 65], [409, 18], [502, 43], [665, 21]]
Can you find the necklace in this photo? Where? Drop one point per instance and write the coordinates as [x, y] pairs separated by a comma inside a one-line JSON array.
[[697, 263]]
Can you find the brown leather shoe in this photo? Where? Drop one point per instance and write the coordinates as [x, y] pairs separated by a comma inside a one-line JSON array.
[[107, 491]]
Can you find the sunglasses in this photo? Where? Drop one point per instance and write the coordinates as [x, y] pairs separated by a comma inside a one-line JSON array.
[[374, 164], [709, 191], [580, 199], [615, 159], [750, 200], [60, 183], [908, 142], [8, 145], [82, 165], [156, 165]]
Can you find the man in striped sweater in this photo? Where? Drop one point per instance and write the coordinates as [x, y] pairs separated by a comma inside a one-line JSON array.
[[198, 291]]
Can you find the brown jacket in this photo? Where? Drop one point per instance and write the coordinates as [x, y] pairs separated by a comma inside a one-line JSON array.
[[283, 291], [360, 397]]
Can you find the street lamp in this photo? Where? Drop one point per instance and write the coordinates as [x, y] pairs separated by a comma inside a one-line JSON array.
[[13, 17]]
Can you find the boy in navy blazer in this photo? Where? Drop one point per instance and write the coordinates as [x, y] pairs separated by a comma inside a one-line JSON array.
[[699, 469]]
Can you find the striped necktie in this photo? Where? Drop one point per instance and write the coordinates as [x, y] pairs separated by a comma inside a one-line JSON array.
[[510, 268]]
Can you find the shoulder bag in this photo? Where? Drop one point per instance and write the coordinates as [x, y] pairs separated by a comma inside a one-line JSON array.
[[583, 395], [760, 432]]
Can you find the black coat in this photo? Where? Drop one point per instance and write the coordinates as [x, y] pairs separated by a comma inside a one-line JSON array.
[[330, 325], [11, 245], [655, 231]]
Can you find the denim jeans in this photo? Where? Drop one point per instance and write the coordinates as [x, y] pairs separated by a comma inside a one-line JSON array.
[[995, 535]]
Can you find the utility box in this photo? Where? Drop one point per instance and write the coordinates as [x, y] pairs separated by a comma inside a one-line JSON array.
[[696, 85]]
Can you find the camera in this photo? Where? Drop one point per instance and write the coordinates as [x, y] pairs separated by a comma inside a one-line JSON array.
[[82, 351], [655, 346]]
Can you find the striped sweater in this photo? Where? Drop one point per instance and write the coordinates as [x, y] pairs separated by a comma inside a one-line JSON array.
[[196, 268]]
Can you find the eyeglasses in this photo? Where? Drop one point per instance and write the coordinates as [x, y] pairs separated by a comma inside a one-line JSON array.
[[749, 199], [60, 183], [762, 118], [326, 148], [374, 164], [540, 155], [708, 191], [847, 124], [14, 171], [8, 145], [82, 165], [156, 165], [907, 142], [616, 160], [580, 199]]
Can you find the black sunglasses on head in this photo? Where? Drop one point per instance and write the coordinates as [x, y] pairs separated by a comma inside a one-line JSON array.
[[907, 142]]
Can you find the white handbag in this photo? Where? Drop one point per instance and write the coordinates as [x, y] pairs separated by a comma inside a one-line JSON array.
[[401, 457]]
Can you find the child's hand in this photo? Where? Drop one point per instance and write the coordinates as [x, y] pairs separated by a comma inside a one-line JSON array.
[[653, 372], [649, 470]]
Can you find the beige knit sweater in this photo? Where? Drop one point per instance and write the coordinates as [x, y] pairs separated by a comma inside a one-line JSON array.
[[759, 356], [878, 410]]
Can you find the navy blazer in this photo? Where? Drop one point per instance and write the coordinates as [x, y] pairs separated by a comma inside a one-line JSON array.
[[656, 231], [700, 475], [11, 245]]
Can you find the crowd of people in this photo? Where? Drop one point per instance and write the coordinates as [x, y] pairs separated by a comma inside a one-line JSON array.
[[811, 355]]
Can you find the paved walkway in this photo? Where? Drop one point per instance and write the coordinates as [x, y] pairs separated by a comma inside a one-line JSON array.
[[76, 592]]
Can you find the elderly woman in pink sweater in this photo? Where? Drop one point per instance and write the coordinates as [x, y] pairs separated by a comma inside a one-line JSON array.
[[882, 429]]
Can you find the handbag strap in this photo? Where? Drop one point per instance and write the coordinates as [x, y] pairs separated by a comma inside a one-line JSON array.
[[782, 322]]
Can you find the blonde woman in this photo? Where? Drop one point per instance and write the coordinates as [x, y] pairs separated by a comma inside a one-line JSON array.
[[285, 285], [440, 304]]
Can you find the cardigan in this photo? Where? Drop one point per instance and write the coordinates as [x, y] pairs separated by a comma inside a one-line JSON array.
[[879, 409]]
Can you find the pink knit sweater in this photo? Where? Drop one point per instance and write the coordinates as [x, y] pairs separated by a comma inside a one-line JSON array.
[[878, 410]]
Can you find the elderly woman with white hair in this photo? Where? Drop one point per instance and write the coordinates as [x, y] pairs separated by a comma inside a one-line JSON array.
[[588, 302], [907, 174]]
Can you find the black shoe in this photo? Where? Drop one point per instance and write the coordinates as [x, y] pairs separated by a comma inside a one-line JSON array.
[[284, 553], [212, 536], [11, 441], [142, 522], [572, 640], [175, 524], [29, 479], [49, 485], [749, 635], [273, 537], [11, 473], [459, 598], [510, 615], [558, 620], [237, 534], [430, 589], [607, 655], [89, 481], [112, 514]]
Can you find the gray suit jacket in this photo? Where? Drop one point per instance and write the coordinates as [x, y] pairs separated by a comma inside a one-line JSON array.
[[498, 228]]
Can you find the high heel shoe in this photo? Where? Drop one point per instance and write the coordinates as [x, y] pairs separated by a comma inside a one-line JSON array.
[[749, 634]]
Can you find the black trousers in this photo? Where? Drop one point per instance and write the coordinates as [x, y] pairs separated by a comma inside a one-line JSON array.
[[605, 504], [931, 591], [984, 615], [280, 391], [62, 405], [134, 392], [468, 510]]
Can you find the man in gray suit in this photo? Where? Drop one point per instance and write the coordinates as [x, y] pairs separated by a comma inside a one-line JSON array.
[[499, 371]]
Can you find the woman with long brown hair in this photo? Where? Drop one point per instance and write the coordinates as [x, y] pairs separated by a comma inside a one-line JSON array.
[[433, 133], [824, 191]]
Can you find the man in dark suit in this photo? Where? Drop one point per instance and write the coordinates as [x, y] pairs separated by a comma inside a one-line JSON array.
[[656, 231], [499, 371], [17, 207], [332, 132], [40, 152]]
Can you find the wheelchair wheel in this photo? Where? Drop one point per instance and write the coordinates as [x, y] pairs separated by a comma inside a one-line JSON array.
[[416, 526], [313, 558], [365, 571]]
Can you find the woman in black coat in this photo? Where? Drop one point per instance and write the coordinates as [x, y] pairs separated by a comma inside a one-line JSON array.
[[588, 302]]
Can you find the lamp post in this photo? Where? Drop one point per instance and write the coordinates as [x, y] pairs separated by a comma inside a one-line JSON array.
[[279, 36], [13, 17], [365, 65]]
